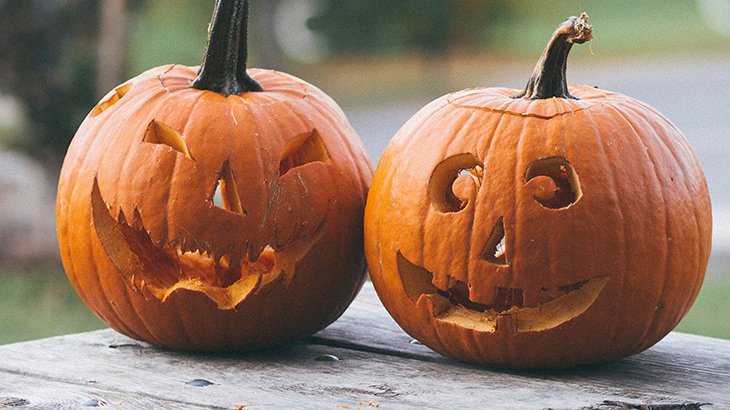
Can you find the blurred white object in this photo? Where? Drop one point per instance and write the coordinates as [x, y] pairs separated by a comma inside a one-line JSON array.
[[27, 209], [296, 40], [12, 119], [717, 14]]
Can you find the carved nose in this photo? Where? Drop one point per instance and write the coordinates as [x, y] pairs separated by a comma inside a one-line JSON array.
[[495, 251]]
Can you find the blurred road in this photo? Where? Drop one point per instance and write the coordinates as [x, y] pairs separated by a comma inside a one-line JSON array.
[[694, 93]]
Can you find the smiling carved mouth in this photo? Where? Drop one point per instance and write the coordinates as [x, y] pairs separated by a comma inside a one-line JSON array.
[[166, 269], [521, 310]]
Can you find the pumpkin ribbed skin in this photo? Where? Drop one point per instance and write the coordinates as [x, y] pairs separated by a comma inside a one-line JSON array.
[[639, 220], [301, 209]]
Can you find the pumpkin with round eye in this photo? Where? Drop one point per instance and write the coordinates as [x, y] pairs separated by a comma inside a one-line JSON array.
[[552, 227], [217, 208]]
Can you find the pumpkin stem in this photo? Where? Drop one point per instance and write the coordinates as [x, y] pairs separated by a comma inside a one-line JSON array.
[[224, 64], [548, 80]]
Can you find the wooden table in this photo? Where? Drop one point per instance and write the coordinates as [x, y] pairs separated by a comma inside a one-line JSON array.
[[362, 361]]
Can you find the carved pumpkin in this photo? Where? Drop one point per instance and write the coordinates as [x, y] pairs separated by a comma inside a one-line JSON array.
[[538, 229], [276, 257]]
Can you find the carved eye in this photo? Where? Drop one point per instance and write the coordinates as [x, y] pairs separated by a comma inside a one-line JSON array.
[[159, 133], [556, 183], [302, 150], [445, 176]]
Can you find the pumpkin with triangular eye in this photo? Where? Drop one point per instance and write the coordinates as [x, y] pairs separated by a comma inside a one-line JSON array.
[[552, 227], [217, 208]]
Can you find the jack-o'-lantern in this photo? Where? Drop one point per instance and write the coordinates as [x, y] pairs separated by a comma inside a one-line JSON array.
[[552, 227], [217, 208]]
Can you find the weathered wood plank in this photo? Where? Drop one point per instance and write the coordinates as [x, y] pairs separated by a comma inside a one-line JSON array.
[[377, 364], [681, 363], [137, 376]]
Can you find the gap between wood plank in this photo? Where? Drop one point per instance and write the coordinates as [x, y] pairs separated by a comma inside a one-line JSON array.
[[324, 341]]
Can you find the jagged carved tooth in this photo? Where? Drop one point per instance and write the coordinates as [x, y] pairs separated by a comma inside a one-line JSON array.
[[254, 252], [137, 220], [163, 243], [505, 323], [443, 282], [222, 259], [183, 243], [216, 256], [235, 258], [121, 218], [192, 246], [483, 295], [531, 296]]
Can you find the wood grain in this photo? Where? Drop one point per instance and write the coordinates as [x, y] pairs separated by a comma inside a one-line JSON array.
[[360, 361]]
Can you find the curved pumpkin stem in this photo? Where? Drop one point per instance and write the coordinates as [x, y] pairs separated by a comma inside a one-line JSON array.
[[548, 79], [224, 64]]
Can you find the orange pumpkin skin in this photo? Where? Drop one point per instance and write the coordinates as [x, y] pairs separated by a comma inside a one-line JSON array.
[[151, 254], [554, 227], [641, 224]]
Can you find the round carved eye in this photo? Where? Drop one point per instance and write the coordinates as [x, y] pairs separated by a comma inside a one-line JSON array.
[[444, 178], [556, 182]]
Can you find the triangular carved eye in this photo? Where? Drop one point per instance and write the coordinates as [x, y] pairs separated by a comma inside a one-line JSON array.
[[226, 195], [111, 99], [302, 150], [159, 133]]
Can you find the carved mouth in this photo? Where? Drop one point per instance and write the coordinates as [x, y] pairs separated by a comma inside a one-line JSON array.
[[226, 279], [514, 309], [228, 273]]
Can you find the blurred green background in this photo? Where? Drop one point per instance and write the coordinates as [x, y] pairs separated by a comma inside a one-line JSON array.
[[58, 57]]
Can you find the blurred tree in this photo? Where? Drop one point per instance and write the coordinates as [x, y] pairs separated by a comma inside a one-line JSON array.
[[175, 31], [429, 26], [58, 56], [264, 50], [111, 45], [49, 62]]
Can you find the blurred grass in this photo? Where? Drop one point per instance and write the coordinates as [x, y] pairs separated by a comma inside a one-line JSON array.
[[38, 303], [622, 28], [709, 314]]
